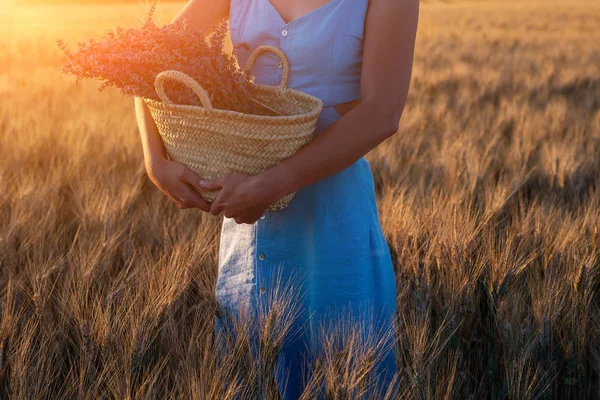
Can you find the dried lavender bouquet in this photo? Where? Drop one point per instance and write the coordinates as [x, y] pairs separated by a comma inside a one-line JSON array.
[[130, 59]]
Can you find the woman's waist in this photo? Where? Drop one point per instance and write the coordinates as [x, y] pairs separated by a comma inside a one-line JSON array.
[[331, 92], [331, 114], [354, 181]]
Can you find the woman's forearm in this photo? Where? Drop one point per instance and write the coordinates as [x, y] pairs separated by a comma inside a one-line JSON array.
[[152, 144], [360, 130], [385, 80]]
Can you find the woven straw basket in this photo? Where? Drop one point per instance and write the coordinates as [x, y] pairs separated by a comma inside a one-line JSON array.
[[214, 143]]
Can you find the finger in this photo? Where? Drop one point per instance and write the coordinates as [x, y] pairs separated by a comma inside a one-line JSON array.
[[173, 199], [238, 215], [246, 214], [245, 217], [211, 184], [230, 213], [178, 204], [193, 179], [244, 220], [194, 199], [216, 207]]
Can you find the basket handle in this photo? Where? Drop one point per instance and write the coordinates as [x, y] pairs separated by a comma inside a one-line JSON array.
[[278, 52], [180, 77]]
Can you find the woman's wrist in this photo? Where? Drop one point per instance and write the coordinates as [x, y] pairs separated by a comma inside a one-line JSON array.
[[277, 182], [155, 162]]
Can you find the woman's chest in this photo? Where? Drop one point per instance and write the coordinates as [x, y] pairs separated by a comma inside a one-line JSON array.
[[320, 42], [290, 10]]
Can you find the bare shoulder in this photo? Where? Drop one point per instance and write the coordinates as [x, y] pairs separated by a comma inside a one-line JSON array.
[[389, 10], [204, 14], [390, 34]]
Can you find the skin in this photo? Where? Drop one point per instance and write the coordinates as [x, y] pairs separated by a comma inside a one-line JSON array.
[[390, 33]]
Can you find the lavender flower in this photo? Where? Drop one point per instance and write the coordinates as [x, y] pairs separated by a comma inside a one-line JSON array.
[[130, 59]]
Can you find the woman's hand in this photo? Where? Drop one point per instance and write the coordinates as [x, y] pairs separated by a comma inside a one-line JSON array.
[[242, 197], [179, 183]]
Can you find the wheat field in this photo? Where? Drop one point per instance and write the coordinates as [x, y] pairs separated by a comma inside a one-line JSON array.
[[489, 198]]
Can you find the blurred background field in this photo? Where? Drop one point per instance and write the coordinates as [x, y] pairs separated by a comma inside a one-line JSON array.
[[489, 197]]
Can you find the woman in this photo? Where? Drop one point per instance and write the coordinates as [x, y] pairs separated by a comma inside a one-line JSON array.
[[355, 55]]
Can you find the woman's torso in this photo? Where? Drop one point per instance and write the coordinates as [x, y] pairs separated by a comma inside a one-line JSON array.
[[324, 47]]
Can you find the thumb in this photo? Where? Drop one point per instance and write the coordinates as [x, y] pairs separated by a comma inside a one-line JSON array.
[[213, 184]]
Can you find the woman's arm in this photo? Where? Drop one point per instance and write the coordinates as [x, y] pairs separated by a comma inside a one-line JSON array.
[[387, 67], [204, 15], [173, 178]]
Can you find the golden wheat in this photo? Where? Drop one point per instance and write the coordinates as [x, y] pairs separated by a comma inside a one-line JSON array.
[[489, 197]]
